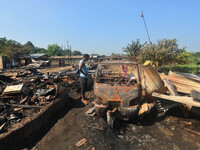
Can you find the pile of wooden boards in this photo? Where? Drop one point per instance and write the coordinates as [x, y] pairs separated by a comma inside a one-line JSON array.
[[184, 89], [184, 82]]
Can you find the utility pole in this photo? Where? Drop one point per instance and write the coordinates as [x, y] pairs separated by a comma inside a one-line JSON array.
[[64, 54], [71, 53], [146, 28], [68, 45], [62, 50], [68, 50]]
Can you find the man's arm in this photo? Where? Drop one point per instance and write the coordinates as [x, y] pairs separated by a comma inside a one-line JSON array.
[[80, 68]]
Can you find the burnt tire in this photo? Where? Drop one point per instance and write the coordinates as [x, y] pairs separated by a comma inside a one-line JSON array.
[[114, 123]]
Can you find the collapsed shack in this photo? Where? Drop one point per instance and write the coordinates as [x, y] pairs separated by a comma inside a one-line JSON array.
[[124, 90], [25, 94]]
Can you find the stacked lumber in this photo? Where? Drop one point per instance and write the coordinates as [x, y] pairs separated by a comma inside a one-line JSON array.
[[179, 99], [184, 83]]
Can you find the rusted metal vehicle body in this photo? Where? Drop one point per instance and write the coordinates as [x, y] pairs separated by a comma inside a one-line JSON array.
[[116, 89]]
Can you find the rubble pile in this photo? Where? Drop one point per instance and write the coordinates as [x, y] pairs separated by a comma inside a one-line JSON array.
[[27, 92], [39, 63]]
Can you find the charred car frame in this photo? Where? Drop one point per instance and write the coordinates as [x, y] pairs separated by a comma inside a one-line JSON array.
[[117, 90]]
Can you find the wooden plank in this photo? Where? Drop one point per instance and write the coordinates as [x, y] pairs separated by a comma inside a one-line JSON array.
[[22, 106], [182, 83], [81, 142], [179, 99], [195, 94], [13, 89], [174, 92], [170, 87]]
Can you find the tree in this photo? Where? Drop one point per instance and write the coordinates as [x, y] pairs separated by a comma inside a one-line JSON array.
[[116, 55], [76, 53], [67, 52], [165, 52], [183, 58], [40, 51], [2, 43], [197, 54], [195, 59], [94, 54], [134, 48], [30, 46], [12, 49], [54, 50]]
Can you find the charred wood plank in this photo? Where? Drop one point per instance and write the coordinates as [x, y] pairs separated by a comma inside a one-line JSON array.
[[179, 99]]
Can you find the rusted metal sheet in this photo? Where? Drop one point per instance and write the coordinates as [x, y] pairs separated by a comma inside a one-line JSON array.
[[150, 79]]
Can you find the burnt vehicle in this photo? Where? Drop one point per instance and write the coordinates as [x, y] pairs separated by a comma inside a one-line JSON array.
[[122, 89], [117, 92]]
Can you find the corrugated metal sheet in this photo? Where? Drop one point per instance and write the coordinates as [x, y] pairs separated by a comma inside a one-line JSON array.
[[150, 79]]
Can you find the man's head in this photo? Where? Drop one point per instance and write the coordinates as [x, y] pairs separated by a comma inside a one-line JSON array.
[[86, 57]]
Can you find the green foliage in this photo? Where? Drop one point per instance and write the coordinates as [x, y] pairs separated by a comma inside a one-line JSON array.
[[197, 54], [116, 55], [13, 49], [3, 42], [54, 50], [38, 50], [94, 54], [183, 58], [76, 52], [67, 52], [30, 46], [195, 58], [180, 68], [164, 52], [134, 48], [35, 50]]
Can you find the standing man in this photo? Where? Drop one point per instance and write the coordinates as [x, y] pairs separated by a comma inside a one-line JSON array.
[[83, 76]]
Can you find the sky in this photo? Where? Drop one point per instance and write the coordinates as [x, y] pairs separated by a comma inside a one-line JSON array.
[[100, 26]]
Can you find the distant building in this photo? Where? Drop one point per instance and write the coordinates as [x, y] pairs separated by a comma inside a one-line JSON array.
[[74, 59], [38, 56]]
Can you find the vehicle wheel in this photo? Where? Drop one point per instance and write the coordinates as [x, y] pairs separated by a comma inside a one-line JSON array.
[[114, 123]]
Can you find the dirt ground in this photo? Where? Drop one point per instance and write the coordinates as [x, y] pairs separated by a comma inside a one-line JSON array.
[[171, 131]]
